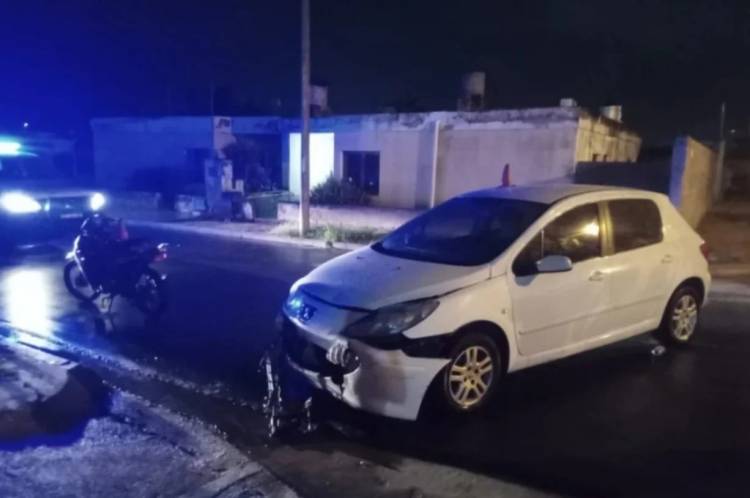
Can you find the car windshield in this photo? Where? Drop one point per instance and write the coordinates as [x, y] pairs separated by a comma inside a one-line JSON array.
[[464, 231], [33, 168]]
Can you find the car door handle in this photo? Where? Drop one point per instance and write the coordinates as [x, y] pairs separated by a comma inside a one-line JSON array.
[[667, 258], [596, 276]]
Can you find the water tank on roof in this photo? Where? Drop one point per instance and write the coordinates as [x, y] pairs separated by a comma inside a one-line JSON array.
[[613, 112], [568, 102], [318, 100], [472, 92]]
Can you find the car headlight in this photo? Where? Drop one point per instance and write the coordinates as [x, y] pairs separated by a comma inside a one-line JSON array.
[[19, 203], [97, 201], [392, 320]]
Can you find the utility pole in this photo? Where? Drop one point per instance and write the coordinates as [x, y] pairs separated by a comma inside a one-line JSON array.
[[719, 172], [304, 197]]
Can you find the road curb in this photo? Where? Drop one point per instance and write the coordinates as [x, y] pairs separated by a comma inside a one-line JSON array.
[[725, 290], [729, 270], [63, 413], [183, 227]]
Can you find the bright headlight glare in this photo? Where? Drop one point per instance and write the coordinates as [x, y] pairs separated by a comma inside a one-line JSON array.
[[9, 148], [19, 203], [392, 319], [97, 201]]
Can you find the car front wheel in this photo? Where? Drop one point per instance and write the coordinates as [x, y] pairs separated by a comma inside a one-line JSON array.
[[471, 377]]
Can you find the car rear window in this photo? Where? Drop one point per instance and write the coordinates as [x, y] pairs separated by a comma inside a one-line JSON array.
[[635, 223]]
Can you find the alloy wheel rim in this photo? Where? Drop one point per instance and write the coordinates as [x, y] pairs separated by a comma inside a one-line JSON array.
[[470, 376], [684, 317]]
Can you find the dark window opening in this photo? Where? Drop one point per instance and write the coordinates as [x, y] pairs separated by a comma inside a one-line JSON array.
[[363, 170]]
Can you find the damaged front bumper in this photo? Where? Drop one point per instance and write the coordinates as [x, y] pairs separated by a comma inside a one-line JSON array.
[[384, 382]]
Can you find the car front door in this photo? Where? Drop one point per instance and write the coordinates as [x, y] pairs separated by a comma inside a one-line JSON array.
[[552, 311]]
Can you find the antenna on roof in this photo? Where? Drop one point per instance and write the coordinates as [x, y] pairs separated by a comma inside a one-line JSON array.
[[506, 176]]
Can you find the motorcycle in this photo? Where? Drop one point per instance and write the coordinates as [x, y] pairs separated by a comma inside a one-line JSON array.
[[105, 261]]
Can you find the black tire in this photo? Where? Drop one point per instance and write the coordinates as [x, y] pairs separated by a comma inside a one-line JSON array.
[[681, 317], [470, 380], [73, 279], [150, 295]]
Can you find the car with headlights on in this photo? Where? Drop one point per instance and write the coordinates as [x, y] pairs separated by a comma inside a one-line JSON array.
[[38, 200], [489, 283]]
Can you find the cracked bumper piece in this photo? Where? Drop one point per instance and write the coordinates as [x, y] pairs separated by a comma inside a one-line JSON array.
[[385, 382]]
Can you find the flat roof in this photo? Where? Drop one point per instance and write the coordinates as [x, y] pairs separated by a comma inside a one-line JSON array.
[[544, 193], [495, 119], [489, 119]]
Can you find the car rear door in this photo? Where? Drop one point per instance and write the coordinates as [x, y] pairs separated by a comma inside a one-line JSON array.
[[640, 265]]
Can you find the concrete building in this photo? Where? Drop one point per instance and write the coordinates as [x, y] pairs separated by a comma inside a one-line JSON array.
[[402, 160]]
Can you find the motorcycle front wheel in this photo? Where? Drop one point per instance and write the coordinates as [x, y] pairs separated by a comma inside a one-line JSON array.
[[76, 283], [150, 294]]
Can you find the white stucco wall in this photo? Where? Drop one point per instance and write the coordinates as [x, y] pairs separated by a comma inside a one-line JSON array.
[[691, 182], [539, 144], [473, 148], [471, 159], [468, 159], [404, 155], [321, 160], [603, 140]]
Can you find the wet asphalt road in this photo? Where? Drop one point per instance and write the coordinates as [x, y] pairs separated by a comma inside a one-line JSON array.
[[614, 422]]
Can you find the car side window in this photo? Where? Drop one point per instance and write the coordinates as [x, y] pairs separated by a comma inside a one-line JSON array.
[[635, 223], [575, 234]]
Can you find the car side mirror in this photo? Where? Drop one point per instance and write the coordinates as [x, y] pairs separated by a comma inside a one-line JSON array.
[[554, 264]]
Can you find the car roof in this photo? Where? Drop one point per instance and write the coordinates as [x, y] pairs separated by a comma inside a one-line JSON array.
[[547, 193]]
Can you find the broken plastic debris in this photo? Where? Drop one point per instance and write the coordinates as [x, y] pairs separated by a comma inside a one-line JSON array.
[[658, 350]]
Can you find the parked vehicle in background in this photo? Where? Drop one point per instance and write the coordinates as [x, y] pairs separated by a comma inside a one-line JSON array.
[[489, 283], [104, 260], [39, 195]]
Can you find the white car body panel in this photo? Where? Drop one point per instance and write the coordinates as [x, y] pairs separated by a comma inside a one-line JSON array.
[[574, 307], [387, 382], [370, 280], [543, 317], [487, 301]]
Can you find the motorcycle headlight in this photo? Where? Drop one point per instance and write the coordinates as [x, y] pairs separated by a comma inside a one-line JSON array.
[[97, 201], [19, 203], [392, 320]]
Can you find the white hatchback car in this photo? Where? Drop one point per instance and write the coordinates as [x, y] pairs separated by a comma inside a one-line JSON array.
[[492, 282]]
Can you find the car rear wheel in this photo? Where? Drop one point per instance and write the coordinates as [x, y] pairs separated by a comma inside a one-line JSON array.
[[471, 377], [681, 318]]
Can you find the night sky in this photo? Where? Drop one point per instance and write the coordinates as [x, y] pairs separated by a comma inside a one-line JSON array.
[[670, 64]]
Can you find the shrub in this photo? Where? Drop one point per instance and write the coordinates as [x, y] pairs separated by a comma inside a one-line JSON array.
[[335, 192], [331, 235]]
